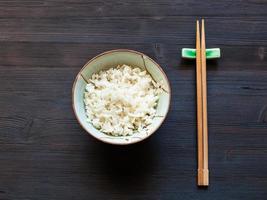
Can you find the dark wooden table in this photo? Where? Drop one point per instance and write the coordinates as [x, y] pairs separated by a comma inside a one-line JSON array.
[[45, 154]]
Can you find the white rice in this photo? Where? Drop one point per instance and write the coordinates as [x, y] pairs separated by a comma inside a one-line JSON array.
[[121, 101]]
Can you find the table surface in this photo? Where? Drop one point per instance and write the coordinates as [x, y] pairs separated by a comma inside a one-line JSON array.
[[45, 154]]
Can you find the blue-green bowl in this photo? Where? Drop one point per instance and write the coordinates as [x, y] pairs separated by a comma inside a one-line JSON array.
[[110, 59]]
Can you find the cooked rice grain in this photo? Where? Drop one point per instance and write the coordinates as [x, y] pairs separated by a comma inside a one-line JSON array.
[[121, 101]]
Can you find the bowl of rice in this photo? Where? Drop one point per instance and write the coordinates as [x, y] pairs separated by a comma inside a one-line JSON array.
[[121, 96]]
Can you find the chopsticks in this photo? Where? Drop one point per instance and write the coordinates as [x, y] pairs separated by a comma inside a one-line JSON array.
[[202, 121]]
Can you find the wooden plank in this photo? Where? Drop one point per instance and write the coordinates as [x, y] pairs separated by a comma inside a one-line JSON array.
[[237, 30], [75, 55], [127, 8]]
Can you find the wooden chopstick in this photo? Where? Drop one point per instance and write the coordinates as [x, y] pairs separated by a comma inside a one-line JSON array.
[[203, 171], [199, 104], [205, 180]]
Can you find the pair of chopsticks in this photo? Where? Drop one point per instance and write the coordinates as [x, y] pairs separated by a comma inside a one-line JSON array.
[[202, 122]]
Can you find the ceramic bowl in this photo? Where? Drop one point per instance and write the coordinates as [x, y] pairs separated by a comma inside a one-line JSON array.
[[112, 59]]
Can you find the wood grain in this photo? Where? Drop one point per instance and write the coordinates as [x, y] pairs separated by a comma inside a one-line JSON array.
[[46, 155]]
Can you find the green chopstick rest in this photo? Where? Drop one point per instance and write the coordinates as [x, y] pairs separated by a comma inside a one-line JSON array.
[[212, 53]]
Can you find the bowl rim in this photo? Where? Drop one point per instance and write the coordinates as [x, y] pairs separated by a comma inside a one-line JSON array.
[[108, 52]]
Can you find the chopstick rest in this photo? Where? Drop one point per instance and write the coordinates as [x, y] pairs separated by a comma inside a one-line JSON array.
[[212, 53]]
